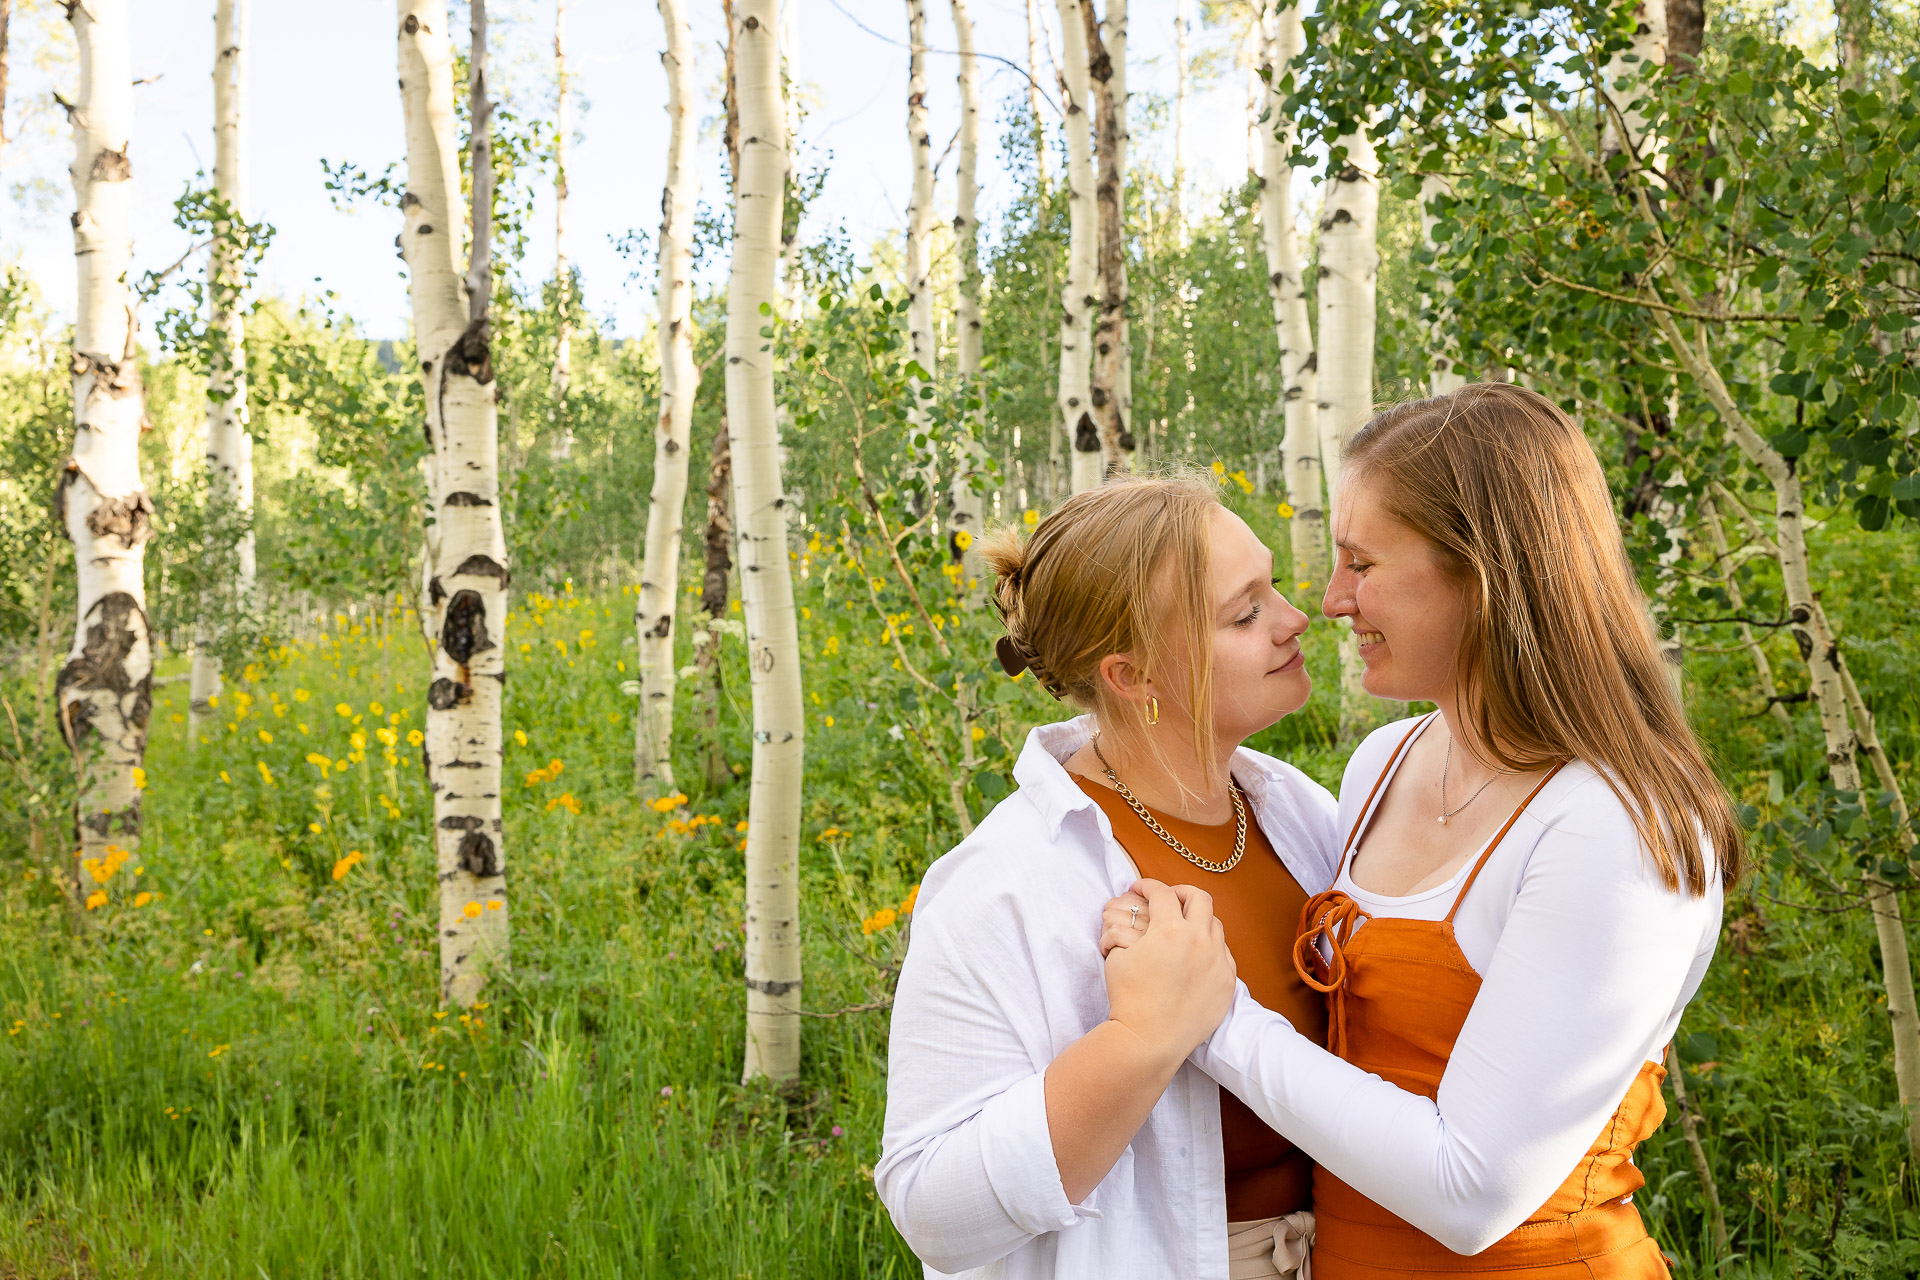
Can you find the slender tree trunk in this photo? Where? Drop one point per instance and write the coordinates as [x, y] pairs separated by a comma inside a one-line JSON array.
[[1111, 386], [1702, 1167], [1444, 376], [1853, 22], [1626, 123], [1077, 299], [1182, 22], [1349, 263], [105, 691], [718, 542], [792, 289], [1286, 286], [229, 444], [679, 381], [465, 603], [6, 7], [1034, 99], [920, 217], [562, 270], [1827, 686], [1736, 601], [965, 502], [766, 583]]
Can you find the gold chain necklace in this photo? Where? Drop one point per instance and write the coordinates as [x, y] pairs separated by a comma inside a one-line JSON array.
[[1146, 816]]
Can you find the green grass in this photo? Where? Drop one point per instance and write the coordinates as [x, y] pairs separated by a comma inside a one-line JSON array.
[[246, 1076]]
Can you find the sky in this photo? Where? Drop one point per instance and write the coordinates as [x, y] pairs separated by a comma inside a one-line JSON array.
[[322, 87]]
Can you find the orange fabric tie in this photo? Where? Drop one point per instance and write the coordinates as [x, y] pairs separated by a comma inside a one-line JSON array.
[[1331, 915]]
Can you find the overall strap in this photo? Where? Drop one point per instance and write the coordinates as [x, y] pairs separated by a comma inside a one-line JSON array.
[[1366, 806], [1498, 837]]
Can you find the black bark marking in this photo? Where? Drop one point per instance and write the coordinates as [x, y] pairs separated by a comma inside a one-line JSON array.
[[478, 855], [130, 519], [111, 166], [483, 567], [435, 592], [472, 355], [1086, 437], [768, 986], [461, 498], [444, 695], [411, 26], [457, 823], [115, 624], [465, 631], [663, 628]]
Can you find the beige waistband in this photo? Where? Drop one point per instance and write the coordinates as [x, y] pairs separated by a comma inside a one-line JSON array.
[[1271, 1248]]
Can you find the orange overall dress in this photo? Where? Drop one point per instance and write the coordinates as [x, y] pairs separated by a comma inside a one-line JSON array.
[[1398, 994]]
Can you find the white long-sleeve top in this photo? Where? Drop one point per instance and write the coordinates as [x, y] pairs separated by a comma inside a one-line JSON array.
[[1586, 962], [1002, 975]]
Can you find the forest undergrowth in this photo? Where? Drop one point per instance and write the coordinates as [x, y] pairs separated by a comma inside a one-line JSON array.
[[235, 1064]]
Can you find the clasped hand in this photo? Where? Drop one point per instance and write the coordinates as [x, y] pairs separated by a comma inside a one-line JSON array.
[[1170, 976]]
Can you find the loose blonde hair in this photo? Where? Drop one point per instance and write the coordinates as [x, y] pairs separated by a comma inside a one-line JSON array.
[[1124, 568], [1558, 660]]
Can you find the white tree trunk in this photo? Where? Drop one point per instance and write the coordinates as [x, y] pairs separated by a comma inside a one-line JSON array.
[[466, 600], [562, 272], [229, 445], [1286, 285], [1444, 376], [1035, 101], [1827, 685], [1182, 21], [1112, 382], [653, 613], [1625, 127], [920, 340], [1349, 264], [105, 691], [1077, 298], [965, 504], [766, 584]]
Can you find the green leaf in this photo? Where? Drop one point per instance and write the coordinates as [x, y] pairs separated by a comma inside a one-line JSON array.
[[1699, 1047], [990, 785], [1776, 787]]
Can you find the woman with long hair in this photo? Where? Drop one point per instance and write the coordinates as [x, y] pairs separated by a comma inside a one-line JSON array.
[[1032, 1129], [1530, 881]]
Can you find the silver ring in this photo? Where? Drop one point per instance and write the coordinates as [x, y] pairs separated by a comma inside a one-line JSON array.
[[1134, 919]]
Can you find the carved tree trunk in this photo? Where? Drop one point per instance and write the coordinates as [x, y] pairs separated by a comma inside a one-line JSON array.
[[229, 445], [766, 583], [1112, 343], [105, 691], [679, 381], [1286, 285], [562, 271], [1077, 299], [1349, 264], [965, 504], [466, 603]]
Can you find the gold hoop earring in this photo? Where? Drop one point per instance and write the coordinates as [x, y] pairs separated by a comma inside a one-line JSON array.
[[1153, 710]]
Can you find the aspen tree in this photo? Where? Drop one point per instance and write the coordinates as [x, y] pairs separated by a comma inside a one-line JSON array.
[[466, 598], [562, 272], [6, 7], [104, 693], [229, 444], [964, 503], [1077, 299], [1111, 384], [653, 612], [1286, 286], [1443, 357], [1625, 127], [1826, 688], [920, 218], [1182, 22], [766, 582], [1349, 264], [1034, 97]]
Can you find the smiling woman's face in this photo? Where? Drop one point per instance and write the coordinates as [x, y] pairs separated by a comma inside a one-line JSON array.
[[1259, 673], [1405, 607]]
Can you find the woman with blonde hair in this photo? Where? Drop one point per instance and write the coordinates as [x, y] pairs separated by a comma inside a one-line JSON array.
[[1034, 1130], [1531, 876]]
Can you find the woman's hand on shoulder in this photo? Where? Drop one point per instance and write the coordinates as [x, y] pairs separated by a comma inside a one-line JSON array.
[[1170, 976]]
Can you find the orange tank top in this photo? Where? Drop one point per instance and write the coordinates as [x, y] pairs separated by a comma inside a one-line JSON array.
[[1267, 1176], [1398, 992]]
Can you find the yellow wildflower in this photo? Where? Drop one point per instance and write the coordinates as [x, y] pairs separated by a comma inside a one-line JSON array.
[[520, 736], [565, 801], [224, 777], [978, 733], [1030, 517], [98, 898], [963, 539], [346, 864], [472, 910], [374, 708], [265, 736], [266, 774], [415, 737], [218, 1049], [881, 919], [1286, 511], [345, 711], [913, 896], [142, 898]]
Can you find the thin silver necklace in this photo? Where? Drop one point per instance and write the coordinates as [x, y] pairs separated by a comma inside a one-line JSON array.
[[1445, 812]]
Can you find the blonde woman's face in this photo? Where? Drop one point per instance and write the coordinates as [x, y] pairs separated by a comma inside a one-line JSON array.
[[1259, 672], [1405, 609]]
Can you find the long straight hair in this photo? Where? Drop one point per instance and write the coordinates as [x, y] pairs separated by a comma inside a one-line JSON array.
[[1558, 660]]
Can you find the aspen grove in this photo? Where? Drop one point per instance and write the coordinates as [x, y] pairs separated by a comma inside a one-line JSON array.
[[638, 537]]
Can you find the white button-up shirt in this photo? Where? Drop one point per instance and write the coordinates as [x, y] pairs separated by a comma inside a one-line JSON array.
[[1002, 974]]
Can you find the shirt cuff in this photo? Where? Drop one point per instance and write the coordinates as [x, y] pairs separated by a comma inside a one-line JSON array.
[[1020, 1164]]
